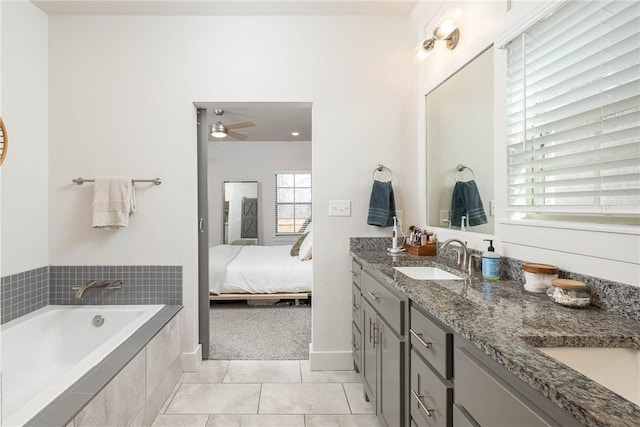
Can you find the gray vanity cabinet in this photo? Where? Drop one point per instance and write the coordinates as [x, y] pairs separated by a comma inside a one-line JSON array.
[[369, 369], [390, 393], [431, 389], [384, 349], [356, 321], [487, 394]]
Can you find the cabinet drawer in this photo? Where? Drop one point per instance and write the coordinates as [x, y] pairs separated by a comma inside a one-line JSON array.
[[460, 419], [431, 399], [356, 307], [432, 342], [356, 344], [479, 392], [390, 307], [356, 271]]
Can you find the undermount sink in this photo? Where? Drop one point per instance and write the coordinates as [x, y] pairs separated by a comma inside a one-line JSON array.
[[617, 369], [427, 273]]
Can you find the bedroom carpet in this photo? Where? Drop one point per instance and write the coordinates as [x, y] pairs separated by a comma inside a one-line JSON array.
[[242, 332]]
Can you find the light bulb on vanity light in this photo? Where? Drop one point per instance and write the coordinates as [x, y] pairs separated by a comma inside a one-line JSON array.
[[447, 31]]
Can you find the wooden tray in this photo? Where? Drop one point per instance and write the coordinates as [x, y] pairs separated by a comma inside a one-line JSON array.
[[426, 250]]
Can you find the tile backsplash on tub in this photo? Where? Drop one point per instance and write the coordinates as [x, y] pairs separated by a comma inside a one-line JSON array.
[[142, 284], [30, 290], [24, 292]]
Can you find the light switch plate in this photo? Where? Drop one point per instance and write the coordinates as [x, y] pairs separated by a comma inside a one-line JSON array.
[[339, 207]]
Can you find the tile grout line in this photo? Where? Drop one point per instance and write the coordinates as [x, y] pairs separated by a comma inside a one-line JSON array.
[[346, 398], [259, 398]]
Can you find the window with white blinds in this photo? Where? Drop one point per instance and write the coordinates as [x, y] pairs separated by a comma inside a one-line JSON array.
[[293, 202], [573, 113]]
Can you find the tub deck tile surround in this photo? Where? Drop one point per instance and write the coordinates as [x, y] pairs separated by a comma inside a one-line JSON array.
[[505, 322], [63, 409]]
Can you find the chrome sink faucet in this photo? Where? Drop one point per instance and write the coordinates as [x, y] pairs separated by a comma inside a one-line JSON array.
[[80, 290], [463, 255]]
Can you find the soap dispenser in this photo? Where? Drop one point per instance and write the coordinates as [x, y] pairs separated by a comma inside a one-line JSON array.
[[490, 263]]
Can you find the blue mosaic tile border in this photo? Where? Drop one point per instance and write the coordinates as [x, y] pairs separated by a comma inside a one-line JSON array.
[[24, 292], [142, 284]]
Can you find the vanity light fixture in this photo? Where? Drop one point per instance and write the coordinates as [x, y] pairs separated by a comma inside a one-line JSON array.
[[447, 31]]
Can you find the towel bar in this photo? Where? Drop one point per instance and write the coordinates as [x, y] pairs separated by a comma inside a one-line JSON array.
[[462, 167], [381, 168], [80, 181]]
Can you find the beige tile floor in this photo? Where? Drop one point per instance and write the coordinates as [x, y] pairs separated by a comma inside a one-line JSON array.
[[266, 393]]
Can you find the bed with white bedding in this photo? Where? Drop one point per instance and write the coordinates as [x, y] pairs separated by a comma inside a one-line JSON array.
[[257, 271]]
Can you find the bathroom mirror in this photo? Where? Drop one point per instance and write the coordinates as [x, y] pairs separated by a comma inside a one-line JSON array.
[[240, 213], [460, 132]]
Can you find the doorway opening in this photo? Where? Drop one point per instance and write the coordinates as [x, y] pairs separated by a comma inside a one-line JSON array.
[[254, 192]]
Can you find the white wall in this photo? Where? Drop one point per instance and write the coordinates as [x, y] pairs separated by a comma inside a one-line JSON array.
[[121, 102], [25, 188], [252, 161], [608, 252]]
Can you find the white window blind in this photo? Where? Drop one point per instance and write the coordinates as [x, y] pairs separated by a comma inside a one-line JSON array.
[[573, 112], [293, 202]]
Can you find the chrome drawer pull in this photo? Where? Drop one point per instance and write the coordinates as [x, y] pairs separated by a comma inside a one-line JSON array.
[[419, 397], [375, 334], [419, 338], [374, 296]]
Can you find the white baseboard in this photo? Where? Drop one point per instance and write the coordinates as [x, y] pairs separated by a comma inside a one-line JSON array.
[[330, 360], [191, 361]]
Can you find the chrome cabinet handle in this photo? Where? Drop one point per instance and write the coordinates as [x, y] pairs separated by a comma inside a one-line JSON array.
[[370, 329], [374, 296], [375, 334], [201, 225], [419, 338], [419, 397]]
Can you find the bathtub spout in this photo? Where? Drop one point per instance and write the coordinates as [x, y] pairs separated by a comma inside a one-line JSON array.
[[80, 290]]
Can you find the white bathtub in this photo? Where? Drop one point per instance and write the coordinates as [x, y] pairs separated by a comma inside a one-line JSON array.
[[45, 352]]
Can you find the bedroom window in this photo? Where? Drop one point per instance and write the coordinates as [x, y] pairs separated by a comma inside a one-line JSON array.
[[293, 202], [573, 115]]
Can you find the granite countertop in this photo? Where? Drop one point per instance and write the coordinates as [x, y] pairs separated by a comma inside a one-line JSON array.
[[505, 322]]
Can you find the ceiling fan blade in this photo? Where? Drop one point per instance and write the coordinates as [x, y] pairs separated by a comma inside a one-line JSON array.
[[236, 135], [240, 125]]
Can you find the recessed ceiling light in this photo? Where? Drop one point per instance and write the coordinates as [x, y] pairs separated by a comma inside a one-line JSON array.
[[295, 133]]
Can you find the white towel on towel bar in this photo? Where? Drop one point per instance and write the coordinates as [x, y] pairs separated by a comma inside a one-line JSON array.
[[114, 199]]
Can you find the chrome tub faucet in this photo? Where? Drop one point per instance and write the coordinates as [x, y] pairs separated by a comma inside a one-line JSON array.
[[80, 290]]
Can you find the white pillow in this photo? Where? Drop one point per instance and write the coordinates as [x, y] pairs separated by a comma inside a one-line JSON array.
[[306, 248]]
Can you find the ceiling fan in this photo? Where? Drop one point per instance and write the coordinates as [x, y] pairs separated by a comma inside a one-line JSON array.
[[219, 130]]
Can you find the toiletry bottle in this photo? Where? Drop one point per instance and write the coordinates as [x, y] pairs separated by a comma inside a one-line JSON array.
[[423, 238], [490, 263]]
